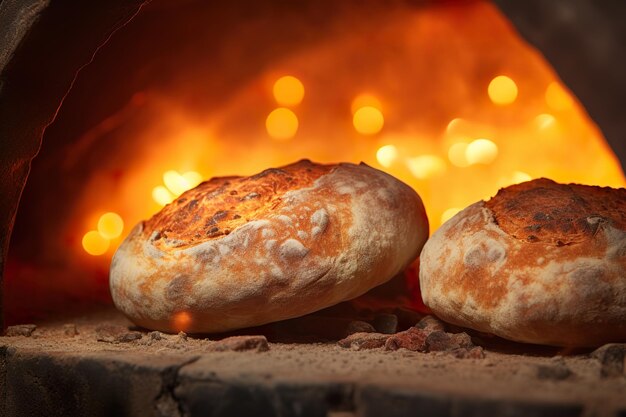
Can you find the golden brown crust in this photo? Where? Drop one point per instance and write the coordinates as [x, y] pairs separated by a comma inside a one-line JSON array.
[[316, 235], [218, 206], [566, 286], [542, 210]]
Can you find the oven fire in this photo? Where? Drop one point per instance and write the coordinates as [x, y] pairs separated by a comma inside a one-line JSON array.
[[452, 108]]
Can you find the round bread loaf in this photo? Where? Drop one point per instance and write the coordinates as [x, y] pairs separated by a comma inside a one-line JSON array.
[[236, 252], [540, 262]]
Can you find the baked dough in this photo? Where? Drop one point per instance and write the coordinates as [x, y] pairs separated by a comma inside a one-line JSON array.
[[243, 251], [541, 262]]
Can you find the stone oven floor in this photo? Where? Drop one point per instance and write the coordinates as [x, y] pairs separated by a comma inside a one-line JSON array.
[[56, 372]]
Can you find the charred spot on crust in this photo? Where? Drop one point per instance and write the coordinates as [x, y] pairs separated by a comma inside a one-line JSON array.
[[208, 211], [213, 231], [533, 228], [250, 196], [219, 215], [557, 214]]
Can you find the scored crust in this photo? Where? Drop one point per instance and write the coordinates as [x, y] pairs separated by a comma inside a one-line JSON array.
[[220, 205], [540, 262], [289, 241]]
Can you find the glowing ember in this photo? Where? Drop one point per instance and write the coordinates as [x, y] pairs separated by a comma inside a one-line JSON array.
[[368, 120], [282, 124], [502, 90], [94, 243], [288, 91], [387, 155], [481, 151]]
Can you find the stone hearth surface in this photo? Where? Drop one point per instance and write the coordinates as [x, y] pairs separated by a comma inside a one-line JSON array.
[[85, 366]]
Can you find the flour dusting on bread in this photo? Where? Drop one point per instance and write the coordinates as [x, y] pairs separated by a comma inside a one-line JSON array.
[[541, 262], [243, 251]]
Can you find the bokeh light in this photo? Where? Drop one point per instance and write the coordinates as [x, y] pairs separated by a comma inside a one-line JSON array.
[[193, 178], [288, 91], [281, 124], [94, 243], [368, 120], [545, 121], [481, 151], [110, 225], [386, 155], [161, 195], [456, 155], [426, 166], [175, 182], [502, 90]]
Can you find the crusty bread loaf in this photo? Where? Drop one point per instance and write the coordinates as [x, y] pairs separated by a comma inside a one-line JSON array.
[[540, 262], [243, 251]]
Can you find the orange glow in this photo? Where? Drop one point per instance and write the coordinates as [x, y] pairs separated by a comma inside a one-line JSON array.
[[181, 321], [545, 121], [426, 166], [368, 120], [94, 244], [502, 90], [288, 91], [557, 99], [110, 225], [448, 214], [514, 178], [453, 126], [451, 132], [365, 100], [193, 178], [282, 124]]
